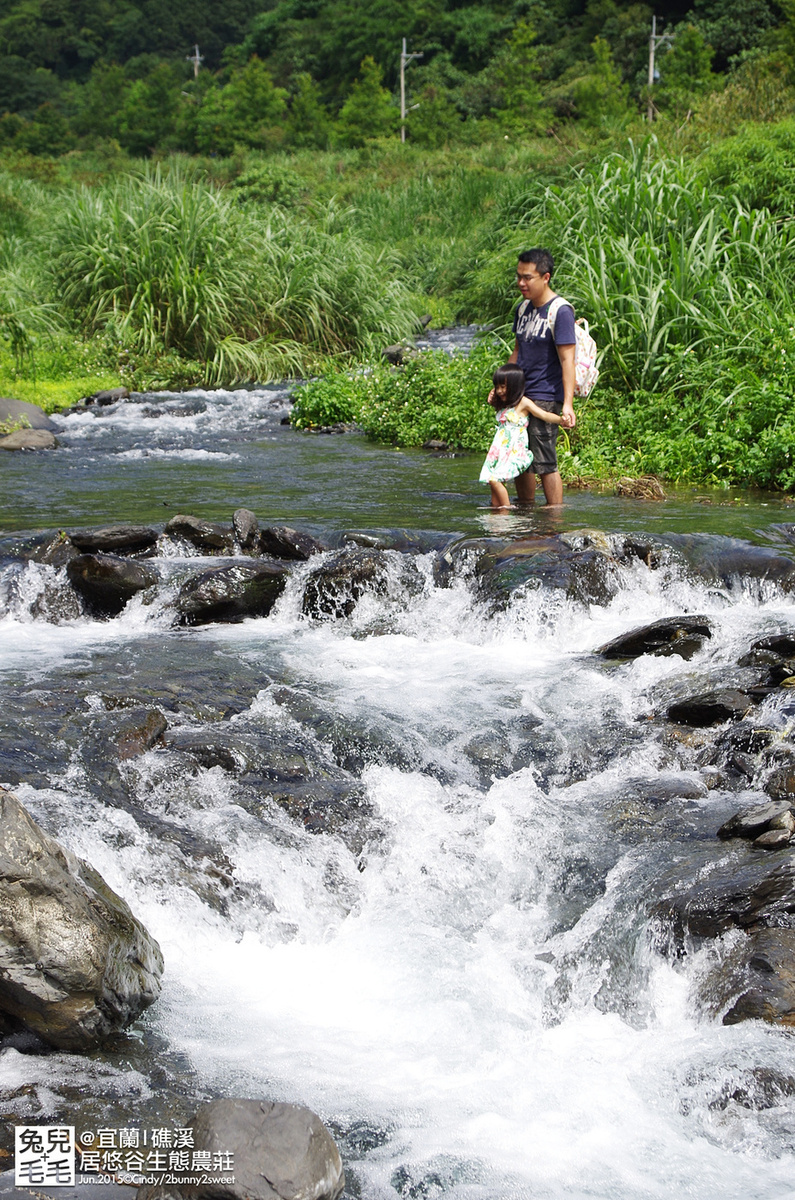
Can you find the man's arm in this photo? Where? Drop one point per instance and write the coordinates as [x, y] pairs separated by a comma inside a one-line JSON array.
[[566, 354], [515, 356]]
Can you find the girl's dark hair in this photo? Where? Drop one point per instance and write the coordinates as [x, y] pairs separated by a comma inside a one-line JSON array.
[[512, 376]]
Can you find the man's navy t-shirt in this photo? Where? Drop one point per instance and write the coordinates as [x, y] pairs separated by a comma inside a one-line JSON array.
[[538, 355]]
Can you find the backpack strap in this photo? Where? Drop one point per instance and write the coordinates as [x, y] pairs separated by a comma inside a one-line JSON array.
[[554, 308]]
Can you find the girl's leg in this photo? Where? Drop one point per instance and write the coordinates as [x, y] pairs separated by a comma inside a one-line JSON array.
[[499, 495]]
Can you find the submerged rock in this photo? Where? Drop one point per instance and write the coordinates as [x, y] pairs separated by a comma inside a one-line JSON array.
[[751, 822], [106, 582], [232, 593], [277, 1151], [75, 964], [673, 635]]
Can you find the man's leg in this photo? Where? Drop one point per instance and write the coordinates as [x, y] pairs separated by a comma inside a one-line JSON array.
[[553, 487], [526, 487]]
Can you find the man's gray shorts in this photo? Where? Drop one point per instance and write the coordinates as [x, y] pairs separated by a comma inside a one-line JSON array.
[[542, 436]]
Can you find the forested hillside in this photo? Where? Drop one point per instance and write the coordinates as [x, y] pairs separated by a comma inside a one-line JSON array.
[[320, 73]]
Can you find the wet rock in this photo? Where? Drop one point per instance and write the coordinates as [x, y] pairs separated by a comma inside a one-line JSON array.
[[53, 549], [212, 748], [231, 593], [246, 529], [767, 971], [140, 732], [673, 635], [583, 569], [333, 588], [730, 561], [108, 396], [279, 1152], [780, 785], [745, 895], [710, 708], [773, 839], [29, 415], [115, 539], [205, 535], [106, 582], [394, 354], [758, 1089], [751, 822], [283, 542], [29, 439], [75, 964]]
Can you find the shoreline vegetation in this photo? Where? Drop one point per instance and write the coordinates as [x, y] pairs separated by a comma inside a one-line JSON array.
[[182, 272]]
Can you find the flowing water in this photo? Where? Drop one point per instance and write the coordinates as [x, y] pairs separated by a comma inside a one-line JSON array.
[[462, 981]]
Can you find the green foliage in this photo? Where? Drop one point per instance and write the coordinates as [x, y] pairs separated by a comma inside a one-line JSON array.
[[369, 111], [434, 396], [756, 166], [270, 182], [247, 112], [308, 125], [600, 95], [685, 71]]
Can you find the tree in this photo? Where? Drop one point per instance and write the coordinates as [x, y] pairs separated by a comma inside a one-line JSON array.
[[308, 125], [435, 121], [148, 114], [369, 111], [685, 71], [600, 95], [247, 112]]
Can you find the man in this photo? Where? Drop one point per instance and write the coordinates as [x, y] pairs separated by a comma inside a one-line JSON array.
[[548, 364]]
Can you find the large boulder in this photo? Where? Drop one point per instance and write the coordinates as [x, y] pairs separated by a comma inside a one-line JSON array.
[[232, 593], [106, 582], [29, 439], [274, 1151], [30, 415], [75, 964], [710, 708], [284, 542]]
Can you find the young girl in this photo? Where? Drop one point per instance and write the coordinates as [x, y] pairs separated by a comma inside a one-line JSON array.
[[508, 454]]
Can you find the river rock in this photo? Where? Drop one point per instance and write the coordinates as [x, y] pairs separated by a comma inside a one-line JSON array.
[[108, 396], [768, 976], [283, 542], [205, 535], [30, 414], [710, 708], [115, 539], [673, 635], [54, 549], [751, 822], [140, 732], [29, 439], [246, 530], [333, 588], [745, 894], [278, 1151], [75, 964], [580, 565], [231, 593], [106, 582], [780, 785]]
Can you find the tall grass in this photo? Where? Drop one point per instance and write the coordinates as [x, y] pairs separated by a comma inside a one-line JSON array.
[[657, 261], [166, 263]]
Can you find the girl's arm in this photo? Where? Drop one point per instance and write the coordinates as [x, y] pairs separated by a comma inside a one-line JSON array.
[[526, 405]]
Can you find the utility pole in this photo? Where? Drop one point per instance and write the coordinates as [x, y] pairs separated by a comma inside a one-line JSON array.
[[404, 58], [196, 59], [653, 74]]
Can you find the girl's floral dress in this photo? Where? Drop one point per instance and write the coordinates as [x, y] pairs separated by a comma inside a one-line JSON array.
[[508, 454]]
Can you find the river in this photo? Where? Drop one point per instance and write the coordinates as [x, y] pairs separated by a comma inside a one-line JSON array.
[[466, 990]]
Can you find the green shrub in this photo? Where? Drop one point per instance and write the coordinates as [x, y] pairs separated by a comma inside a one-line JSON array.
[[434, 396]]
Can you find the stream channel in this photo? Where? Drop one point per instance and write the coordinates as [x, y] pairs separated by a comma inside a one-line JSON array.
[[462, 978]]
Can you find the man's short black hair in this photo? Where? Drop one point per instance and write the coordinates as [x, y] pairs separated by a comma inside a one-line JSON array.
[[542, 259]]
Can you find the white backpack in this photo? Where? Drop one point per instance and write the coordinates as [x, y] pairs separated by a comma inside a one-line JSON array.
[[586, 371]]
